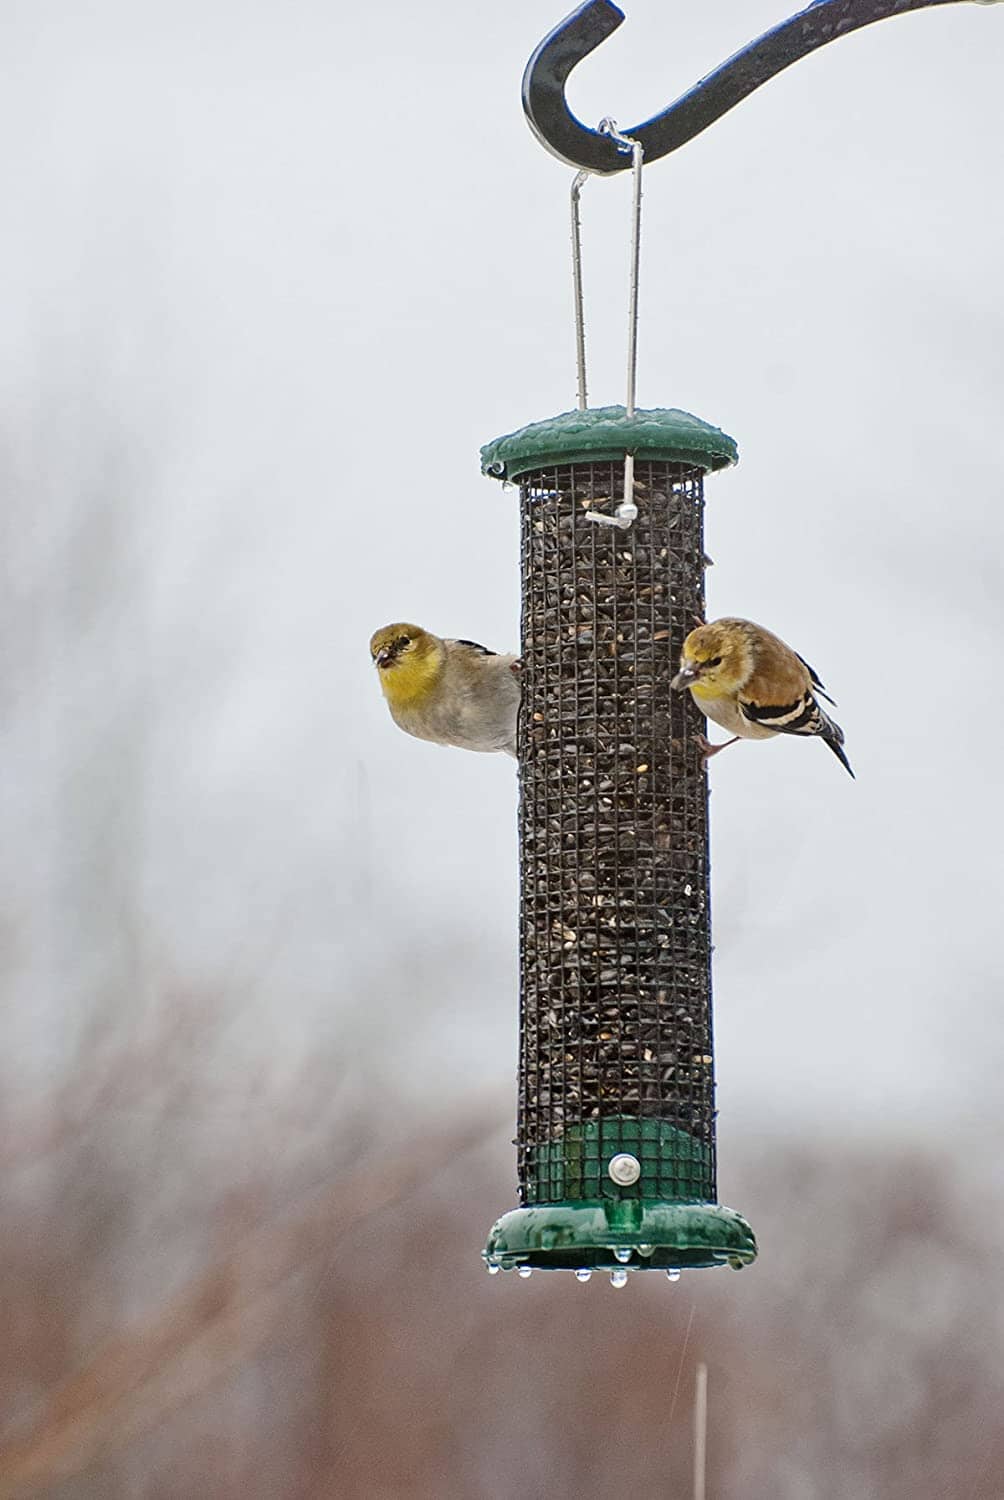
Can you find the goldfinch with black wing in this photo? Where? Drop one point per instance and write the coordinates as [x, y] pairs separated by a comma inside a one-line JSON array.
[[747, 680], [452, 692]]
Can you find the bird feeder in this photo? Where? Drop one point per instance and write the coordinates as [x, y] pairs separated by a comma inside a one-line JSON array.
[[616, 1125], [616, 1135]]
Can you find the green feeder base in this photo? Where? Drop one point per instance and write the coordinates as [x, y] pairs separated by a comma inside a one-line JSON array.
[[628, 1234]]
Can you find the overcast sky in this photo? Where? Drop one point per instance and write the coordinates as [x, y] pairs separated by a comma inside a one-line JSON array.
[[269, 276]]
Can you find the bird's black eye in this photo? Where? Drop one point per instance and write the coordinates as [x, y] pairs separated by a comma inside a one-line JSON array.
[[403, 640], [715, 661]]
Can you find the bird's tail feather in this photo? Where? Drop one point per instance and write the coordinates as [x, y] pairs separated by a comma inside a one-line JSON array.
[[833, 735]]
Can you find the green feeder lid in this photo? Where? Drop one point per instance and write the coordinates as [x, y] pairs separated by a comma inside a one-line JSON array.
[[604, 433]]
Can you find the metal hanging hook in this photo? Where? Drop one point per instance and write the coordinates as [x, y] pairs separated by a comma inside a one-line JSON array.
[[580, 33], [627, 511]]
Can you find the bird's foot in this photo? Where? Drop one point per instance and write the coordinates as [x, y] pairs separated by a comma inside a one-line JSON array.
[[707, 749]]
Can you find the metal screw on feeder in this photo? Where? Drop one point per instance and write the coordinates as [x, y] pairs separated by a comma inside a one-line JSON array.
[[616, 1129], [624, 1169]]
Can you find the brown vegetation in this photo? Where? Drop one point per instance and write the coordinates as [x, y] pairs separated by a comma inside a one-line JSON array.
[[339, 1338]]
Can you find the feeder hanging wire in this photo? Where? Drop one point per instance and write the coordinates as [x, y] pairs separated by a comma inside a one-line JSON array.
[[627, 511]]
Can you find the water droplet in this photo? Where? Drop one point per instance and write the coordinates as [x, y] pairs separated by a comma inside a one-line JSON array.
[[646, 1250], [622, 1253], [526, 1271], [494, 1270], [618, 1278], [673, 1275], [583, 1275]]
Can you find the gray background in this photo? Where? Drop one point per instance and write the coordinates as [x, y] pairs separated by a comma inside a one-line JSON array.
[[269, 276]]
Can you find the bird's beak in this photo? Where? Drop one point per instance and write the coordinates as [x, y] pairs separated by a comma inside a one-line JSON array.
[[684, 677], [383, 657]]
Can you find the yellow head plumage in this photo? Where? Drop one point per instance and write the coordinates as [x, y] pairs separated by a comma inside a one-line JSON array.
[[409, 660], [716, 660]]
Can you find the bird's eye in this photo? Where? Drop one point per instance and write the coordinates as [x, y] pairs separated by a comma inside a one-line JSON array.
[[715, 661], [403, 640]]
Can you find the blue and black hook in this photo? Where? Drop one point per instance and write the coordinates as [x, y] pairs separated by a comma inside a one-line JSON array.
[[590, 24]]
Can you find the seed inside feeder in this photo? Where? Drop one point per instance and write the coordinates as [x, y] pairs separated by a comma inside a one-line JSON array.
[[613, 817]]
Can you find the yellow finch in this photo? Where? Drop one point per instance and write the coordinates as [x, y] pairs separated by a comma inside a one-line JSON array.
[[449, 692], [750, 682]]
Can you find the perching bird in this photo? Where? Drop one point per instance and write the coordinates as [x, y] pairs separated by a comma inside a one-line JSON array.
[[750, 682], [450, 692]]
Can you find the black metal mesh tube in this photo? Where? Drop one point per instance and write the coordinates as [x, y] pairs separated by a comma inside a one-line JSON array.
[[615, 1012]]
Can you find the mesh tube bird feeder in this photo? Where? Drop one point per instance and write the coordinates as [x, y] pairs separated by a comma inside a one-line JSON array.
[[616, 1118], [616, 1121]]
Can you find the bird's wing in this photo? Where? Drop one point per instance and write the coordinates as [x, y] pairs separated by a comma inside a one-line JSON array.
[[804, 716], [483, 695], [473, 646], [779, 696], [779, 693], [816, 682], [472, 651]]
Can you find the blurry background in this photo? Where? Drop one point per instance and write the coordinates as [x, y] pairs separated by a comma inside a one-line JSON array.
[[269, 276]]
